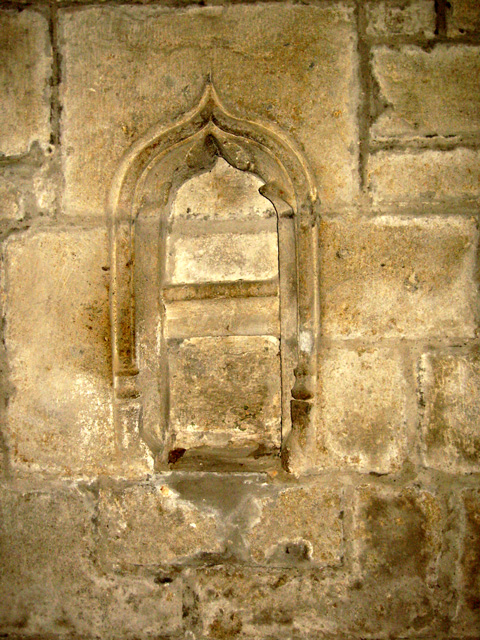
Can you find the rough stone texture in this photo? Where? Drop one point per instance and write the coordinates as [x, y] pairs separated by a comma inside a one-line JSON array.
[[362, 410], [463, 17], [468, 613], [424, 177], [58, 348], [10, 201], [270, 63], [399, 277], [450, 389], [225, 391], [147, 524], [295, 525], [396, 17], [433, 93], [25, 69], [222, 257]]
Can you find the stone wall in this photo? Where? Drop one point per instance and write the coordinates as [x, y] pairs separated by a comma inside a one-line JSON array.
[[378, 536]]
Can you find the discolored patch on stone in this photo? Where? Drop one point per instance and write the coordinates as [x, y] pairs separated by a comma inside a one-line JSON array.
[[463, 17], [25, 69], [225, 391], [362, 410], [468, 613], [58, 348], [399, 18], [428, 93], [424, 177], [392, 277], [134, 67], [450, 392], [397, 533], [149, 525], [298, 526]]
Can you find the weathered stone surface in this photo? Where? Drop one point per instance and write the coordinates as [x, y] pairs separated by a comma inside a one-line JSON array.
[[223, 317], [46, 538], [397, 533], [463, 17], [428, 93], [468, 613], [424, 177], [225, 391], [137, 66], [58, 348], [25, 68], [394, 276], [298, 525], [450, 392], [362, 410], [224, 193], [10, 201], [148, 524], [222, 257], [395, 17]]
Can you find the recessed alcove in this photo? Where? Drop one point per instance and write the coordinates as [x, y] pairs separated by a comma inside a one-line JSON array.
[[213, 297]]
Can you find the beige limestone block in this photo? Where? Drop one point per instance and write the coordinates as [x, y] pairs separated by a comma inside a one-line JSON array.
[[129, 68], [428, 93], [148, 524], [58, 347], [424, 177], [399, 18], [222, 257], [397, 533], [362, 410], [450, 389], [463, 17], [225, 391], [298, 524], [10, 201], [25, 69], [394, 276], [467, 619]]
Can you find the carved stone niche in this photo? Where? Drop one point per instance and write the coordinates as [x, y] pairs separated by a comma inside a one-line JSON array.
[[214, 305]]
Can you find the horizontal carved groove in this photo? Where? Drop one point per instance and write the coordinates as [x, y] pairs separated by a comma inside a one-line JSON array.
[[209, 290]]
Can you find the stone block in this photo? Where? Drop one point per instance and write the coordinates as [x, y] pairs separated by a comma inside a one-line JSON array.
[[362, 410], [394, 276], [298, 525], [150, 525], [397, 533], [25, 69], [432, 93], [463, 17], [10, 201], [46, 540], [58, 347], [134, 67], [225, 391], [468, 612], [222, 257], [397, 18], [450, 392], [424, 177]]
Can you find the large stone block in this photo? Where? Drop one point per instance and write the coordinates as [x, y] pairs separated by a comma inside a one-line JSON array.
[[25, 69], [150, 525], [46, 540], [468, 612], [463, 17], [424, 177], [450, 391], [58, 347], [362, 410], [392, 276], [397, 533], [298, 525], [225, 391], [399, 18], [428, 93], [133, 67]]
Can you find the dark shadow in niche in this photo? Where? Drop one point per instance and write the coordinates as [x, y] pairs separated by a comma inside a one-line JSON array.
[[214, 308]]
